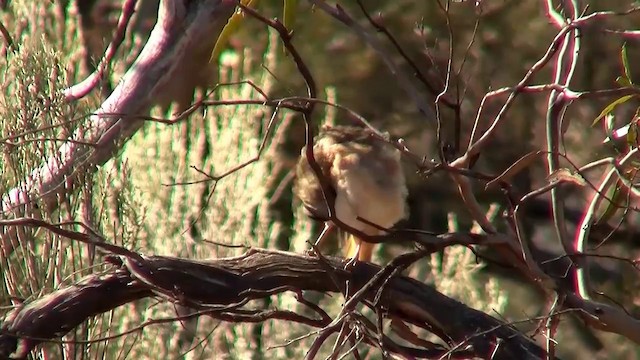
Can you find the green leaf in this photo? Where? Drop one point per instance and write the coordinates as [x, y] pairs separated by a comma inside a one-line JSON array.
[[617, 197], [233, 24], [623, 81], [611, 107], [632, 134], [609, 124], [625, 62], [289, 13]]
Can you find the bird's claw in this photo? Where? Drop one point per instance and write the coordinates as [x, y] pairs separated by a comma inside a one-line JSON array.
[[351, 263]]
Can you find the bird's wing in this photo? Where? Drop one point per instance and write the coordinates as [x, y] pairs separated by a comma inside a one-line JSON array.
[[307, 186]]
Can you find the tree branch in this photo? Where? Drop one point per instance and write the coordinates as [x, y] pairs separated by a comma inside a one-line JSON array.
[[220, 288], [182, 27]]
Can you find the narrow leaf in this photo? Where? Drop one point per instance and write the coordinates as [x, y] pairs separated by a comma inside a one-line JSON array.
[[232, 26], [623, 81], [609, 123], [566, 175], [612, 134], [289, 13], [625, 62], [617, 197], [611, 107], [632, 134], [518, 166]]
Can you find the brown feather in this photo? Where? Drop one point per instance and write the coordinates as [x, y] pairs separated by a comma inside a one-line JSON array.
[[366, 180]]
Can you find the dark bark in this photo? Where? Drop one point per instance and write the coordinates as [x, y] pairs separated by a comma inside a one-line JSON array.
[[219, 288]]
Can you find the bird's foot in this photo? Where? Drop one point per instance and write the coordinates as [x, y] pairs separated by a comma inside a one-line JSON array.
[[351, 263]]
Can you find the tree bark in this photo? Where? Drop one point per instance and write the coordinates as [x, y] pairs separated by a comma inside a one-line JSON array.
[[220, 288]]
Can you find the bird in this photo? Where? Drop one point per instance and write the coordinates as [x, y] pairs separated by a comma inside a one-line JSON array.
[[365, 178]]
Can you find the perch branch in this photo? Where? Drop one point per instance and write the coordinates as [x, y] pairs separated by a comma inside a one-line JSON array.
[[257, 274]]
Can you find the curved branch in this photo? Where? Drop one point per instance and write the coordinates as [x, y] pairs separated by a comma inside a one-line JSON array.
[[220, 287]]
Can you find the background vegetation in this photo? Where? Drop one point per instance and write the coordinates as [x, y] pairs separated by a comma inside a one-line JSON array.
[[149, 198]]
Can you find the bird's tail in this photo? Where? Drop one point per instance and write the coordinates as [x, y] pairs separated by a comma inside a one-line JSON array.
[[365, 253]]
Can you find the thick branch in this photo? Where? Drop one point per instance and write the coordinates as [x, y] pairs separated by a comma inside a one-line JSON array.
[[220, 286]]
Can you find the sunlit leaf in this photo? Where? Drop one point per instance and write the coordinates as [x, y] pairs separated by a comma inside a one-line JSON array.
[[233, 24], [566, 175], [611, 107], [634, 165], [632, 134], [609, 123], [289, 13], [623, 81], [625, 63]]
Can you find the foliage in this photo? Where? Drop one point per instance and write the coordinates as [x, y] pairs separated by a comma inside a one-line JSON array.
[[154, 197]]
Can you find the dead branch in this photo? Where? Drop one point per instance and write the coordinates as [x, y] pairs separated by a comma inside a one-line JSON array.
[[220, 288]]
